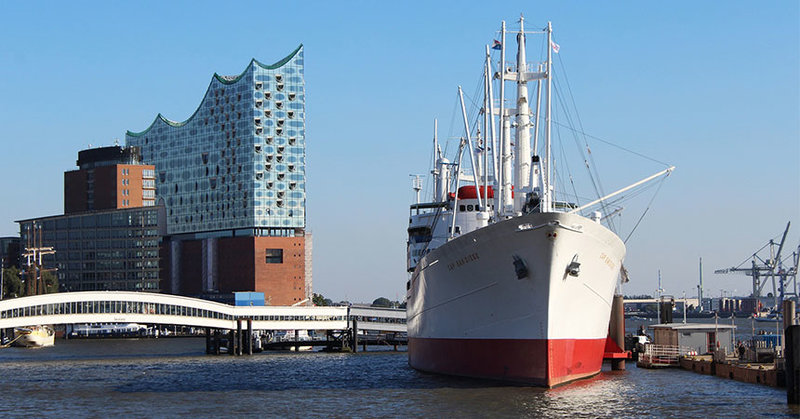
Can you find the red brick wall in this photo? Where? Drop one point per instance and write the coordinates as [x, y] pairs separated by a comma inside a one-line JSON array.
[[282, 284], [242, 266], [108, 187], [235, 266]]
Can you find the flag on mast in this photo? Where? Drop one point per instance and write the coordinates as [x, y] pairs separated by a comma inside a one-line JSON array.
[[497, 45], [555, 46]]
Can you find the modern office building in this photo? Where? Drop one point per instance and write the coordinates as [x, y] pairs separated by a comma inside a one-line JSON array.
[[109, 178], [232, 180], [115, 249], [108, 237], [9, 252]]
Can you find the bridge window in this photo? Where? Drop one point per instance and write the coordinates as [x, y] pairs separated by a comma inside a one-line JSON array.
[[274, 255]]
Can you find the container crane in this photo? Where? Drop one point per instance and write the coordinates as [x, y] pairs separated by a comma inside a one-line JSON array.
[[770, 267]]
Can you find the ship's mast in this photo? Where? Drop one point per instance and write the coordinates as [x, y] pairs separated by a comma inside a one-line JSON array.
[[495, 170], [471, 150], [535, 170], [547, 192], [486, 81], [506, 202], [522, 154]]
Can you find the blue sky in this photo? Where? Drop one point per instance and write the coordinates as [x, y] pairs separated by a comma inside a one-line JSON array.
[[711, 87]]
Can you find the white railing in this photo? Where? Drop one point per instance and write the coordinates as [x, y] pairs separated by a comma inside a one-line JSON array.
[[664, 354]]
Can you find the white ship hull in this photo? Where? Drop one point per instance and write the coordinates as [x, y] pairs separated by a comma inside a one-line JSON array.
[[499, 302], [34, 336]]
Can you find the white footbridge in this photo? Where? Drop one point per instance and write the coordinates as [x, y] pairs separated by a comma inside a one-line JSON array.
[[152, 308]]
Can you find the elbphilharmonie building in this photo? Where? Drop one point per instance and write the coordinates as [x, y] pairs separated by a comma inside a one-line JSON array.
[[232, 182]]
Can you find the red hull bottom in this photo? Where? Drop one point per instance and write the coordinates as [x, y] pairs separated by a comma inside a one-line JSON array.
[[541, 362]]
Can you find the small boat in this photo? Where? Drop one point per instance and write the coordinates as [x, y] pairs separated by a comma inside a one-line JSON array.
[[116, 330], [34, 336], [768, 317]]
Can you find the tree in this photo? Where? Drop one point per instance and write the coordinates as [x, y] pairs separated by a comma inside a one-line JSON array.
[[12, 283], [382, 302], [50, 282], [320, 300]]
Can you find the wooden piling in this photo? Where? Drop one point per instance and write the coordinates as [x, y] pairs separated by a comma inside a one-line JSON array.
[[617, 332], [249, 336], [239, 337], [355, 335], [232, 342], [792, 364], [208, 341]]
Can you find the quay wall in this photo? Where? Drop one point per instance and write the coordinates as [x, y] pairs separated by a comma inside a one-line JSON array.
[[765, 374]]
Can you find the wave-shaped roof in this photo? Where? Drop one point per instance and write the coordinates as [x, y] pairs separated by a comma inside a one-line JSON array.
[[222, 79]]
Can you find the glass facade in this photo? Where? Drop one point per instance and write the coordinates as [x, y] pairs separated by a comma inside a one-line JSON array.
[[104, 250], [239, 161]]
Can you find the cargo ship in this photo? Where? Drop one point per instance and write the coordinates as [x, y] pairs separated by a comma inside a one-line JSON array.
[[506, 282]]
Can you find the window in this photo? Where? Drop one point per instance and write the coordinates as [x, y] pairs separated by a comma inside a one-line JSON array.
[[274, 255]]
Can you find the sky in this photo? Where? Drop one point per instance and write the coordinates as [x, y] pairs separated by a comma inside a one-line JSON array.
[[710, 87]]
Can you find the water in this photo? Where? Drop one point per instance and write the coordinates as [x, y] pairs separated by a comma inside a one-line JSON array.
[[173, 377]]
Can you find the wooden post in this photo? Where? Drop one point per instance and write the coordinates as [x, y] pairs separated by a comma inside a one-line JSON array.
[[617, 332], [355, 335], [238, 336], [249, 336], [232, 342], [792, 364], [208, 341]]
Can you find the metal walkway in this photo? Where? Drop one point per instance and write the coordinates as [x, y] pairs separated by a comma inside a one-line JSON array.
[[152, 308]]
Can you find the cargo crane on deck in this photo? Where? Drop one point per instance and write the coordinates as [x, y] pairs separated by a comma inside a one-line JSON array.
[[771, 267]]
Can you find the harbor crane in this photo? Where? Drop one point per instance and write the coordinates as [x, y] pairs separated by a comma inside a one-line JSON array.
[[772, 267]]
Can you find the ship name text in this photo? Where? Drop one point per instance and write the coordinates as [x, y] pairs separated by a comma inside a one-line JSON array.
[[463, 261]]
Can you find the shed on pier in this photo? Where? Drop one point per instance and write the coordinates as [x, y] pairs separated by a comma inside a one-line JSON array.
[[700, 337]]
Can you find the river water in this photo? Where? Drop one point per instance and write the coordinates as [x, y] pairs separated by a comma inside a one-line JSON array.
[[173, 377]]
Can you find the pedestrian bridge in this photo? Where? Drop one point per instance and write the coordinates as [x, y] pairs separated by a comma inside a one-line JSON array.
[[152, 308]]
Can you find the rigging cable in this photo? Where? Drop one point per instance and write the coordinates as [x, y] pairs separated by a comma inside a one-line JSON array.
[[660, 184]]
